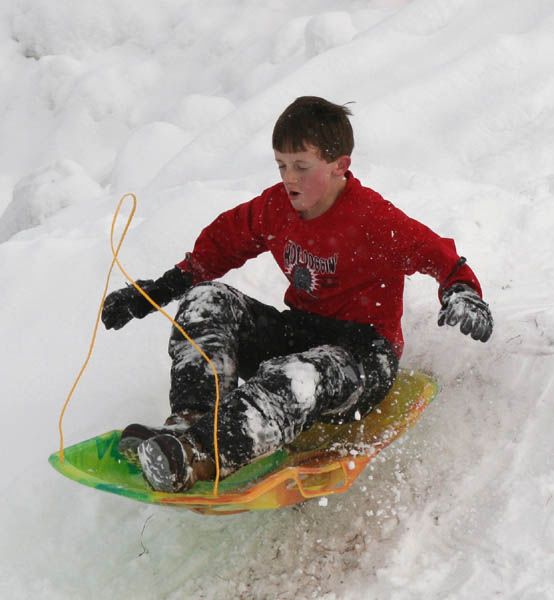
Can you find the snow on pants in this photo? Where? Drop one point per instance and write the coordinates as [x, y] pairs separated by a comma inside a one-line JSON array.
[[298, 368]]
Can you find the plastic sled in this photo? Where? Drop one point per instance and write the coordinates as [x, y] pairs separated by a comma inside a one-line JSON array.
[[322, 461]]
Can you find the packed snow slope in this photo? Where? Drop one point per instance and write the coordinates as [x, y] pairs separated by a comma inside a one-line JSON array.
[[175, 100]]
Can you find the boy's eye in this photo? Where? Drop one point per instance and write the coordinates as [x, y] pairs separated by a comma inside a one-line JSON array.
[[296, 167]]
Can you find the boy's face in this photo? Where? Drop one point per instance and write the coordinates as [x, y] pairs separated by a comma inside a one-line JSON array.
[[312, 183]]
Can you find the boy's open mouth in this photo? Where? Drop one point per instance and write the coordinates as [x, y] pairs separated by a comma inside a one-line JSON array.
[[294, 194]]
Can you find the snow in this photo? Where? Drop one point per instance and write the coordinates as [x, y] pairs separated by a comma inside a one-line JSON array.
[[43, 193], [175, 100], [304, 380]]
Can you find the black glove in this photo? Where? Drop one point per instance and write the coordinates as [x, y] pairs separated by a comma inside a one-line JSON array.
[[462, 304], [127, 303]]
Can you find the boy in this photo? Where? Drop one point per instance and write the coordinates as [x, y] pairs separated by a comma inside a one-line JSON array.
[[333, 355]]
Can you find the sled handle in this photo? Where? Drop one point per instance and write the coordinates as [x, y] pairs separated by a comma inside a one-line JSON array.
[[349, 475]]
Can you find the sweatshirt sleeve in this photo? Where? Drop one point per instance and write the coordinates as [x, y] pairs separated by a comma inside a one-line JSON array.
[[228, 242], [419, 249]]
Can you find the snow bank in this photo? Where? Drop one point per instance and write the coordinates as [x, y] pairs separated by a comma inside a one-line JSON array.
[[144, 153], [44, 193], [328, 30], [45, 28]]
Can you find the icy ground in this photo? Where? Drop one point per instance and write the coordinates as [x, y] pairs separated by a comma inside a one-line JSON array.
[[175, 100]]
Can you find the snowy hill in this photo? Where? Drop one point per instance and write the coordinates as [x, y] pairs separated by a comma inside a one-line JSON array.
[[176, 100]]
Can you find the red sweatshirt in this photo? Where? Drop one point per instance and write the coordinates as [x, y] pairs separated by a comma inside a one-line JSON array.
[[349, 263]]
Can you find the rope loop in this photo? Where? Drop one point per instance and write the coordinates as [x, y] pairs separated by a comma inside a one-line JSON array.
[[115, 261]]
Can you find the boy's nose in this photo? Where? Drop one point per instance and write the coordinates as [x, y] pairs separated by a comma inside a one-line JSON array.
[[290, 177]]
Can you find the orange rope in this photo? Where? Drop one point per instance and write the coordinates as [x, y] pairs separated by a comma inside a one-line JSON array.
[[115, 260]]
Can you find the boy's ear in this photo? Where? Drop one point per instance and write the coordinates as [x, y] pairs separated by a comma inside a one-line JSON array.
[[343, 164]]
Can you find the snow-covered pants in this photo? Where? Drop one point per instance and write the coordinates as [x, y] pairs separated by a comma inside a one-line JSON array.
[[298, 368]]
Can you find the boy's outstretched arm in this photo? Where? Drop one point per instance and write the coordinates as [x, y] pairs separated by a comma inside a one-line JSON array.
[[234, 237], [125, 304], [460, 295]]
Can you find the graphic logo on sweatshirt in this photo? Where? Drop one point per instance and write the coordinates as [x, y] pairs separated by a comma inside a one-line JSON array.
[[308, 272]]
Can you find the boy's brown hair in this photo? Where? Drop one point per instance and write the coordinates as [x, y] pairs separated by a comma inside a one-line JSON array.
[[313, 121]]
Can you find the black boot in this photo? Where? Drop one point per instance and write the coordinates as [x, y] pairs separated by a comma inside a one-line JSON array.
[[133, 435], [172, 464]]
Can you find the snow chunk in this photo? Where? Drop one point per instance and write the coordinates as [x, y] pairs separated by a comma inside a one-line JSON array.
[[304, 378], [197, 112], [147, 150], [265, 434], [6, 190], [291, 40], [77, 28], [327, 31], [45, 192]]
